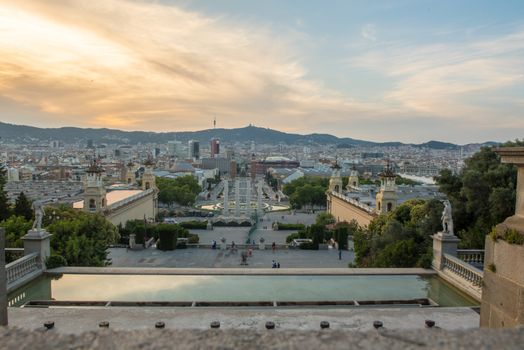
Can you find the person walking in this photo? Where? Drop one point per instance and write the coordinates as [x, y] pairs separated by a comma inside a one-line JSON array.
[[340, 255], [274, 246]]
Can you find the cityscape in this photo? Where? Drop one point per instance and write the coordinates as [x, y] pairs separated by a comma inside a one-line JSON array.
[[178, 174]]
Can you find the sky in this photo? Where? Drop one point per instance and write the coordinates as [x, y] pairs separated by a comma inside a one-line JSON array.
[[402, 70]]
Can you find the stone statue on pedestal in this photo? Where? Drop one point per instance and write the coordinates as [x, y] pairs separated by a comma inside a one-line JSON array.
[[447, 219], [38, 208]]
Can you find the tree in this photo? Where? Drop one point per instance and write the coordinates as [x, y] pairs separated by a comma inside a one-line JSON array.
[[182, 190], [23, 207], [325, 219], [81, 238], [5, 210], [15, 228], [401, 238], [482, 195]]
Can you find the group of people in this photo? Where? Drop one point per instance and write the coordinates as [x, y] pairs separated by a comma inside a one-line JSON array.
[[276, 265]]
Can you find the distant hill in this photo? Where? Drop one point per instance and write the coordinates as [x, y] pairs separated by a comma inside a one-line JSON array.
[[30, 134]]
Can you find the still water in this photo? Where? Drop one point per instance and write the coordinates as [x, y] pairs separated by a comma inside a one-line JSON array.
[[73, 287]]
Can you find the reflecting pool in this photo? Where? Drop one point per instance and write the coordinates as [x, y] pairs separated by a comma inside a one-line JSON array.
[[73, 287]]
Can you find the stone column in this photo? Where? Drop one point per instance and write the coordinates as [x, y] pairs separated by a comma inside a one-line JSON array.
[[248, 198], [38, 241], [3, 281], [443, 244], [132, 241], [515, 155], [260, 208], [237, 198], [503, 283], [226, 198]]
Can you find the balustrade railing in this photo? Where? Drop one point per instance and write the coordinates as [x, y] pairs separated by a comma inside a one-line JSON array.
[[353, 201], [22, 267], [471, 256], [463, 270]]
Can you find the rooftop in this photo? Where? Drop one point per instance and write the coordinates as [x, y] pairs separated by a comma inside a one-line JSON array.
[[112, 197]]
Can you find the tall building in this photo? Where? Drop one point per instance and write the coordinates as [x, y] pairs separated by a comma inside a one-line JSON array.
[[215, 147], [387, 196], [335, 182], [193, 149]]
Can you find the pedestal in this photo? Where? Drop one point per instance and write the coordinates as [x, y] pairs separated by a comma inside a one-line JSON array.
[[209, 226], [261, 246], [223, 245], [443, 244], [3, 281], [38, 241]]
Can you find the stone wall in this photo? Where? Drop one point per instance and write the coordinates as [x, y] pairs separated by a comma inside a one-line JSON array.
[[503, 290], [344, 211], [135, 210]]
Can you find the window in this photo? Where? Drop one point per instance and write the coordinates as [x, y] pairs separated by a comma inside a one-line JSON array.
[[92, 204]]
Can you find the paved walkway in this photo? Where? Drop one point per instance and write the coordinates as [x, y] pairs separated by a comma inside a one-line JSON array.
[[206, 258]]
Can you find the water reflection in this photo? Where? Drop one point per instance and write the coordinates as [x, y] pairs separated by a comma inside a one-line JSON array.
[[238, 288]]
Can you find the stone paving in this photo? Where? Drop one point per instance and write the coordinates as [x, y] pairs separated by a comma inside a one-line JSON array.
[[207, 258]]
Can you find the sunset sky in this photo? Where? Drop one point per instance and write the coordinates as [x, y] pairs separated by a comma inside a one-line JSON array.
[[403, 70]]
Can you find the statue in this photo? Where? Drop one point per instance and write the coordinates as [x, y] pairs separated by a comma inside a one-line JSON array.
[[447, 219], [38, 208]]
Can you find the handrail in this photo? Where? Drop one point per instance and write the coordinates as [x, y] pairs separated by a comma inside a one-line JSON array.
[[22, 267], [466, 271]]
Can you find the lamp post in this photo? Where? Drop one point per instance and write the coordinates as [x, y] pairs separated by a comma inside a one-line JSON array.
[[3, 281]]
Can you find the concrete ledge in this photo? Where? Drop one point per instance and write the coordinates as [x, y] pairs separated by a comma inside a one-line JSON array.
[[274, 339], [239, 271], [24, 280], [71, 320]]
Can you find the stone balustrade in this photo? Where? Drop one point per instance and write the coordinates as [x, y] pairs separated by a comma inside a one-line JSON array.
[[22, 267], [471, 256], [463, 270], [356, 203]]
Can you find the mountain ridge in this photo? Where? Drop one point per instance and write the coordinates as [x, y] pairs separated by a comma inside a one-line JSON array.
[[28, 134]]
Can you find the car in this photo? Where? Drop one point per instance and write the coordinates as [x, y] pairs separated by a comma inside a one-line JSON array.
[[298, 241], [170, 221]]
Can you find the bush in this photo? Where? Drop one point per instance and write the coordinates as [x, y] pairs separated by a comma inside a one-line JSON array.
[[292, 236], [193, 238], [167, 236], [55, 261], [288, 227], [194, 225], [308, 246]]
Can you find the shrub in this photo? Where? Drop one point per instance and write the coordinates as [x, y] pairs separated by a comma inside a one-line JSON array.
[[167, 236], [193, 238], [292, 236], [512, 236], [492, 268], [283, 227], [55, 261], [308, 246], [194, 225]]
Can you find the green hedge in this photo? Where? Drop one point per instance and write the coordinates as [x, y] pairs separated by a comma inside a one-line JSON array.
[[288, 227], [308, 246], [194, 225], [167, 235]]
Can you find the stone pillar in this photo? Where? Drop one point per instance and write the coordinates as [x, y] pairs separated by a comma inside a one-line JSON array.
[[260, 208], [237, 198], [503, 283], [223, 244], [38, 241], [248, 198], [443, 244], [515, 155], [226, 198], [132, 241], [3, 281]]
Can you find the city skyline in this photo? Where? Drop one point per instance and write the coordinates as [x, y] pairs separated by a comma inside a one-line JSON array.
[[405, 71]]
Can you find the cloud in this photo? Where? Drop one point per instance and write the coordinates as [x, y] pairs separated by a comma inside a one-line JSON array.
[[131, 64], [450, 80], [369, 32]]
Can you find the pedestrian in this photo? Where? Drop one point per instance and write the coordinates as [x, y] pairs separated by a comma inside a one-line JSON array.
[[274, 265], [340, 255], [274, 246], [278, 265]]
